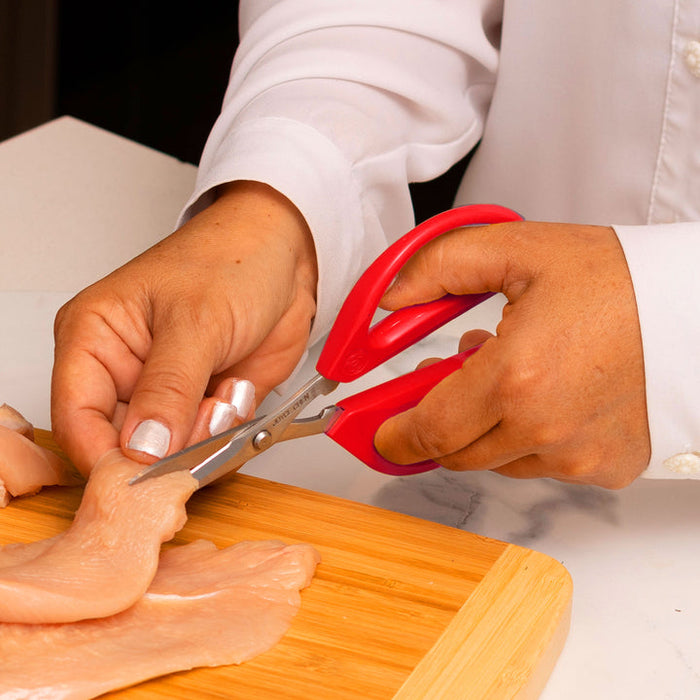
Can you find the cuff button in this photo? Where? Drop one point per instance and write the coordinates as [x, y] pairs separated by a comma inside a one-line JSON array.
[[684, 463]]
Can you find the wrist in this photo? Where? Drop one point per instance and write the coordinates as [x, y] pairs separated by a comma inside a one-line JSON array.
[[278, 222]]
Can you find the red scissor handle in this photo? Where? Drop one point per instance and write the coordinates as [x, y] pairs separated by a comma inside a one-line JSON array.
[[353, 348], [363, 413]]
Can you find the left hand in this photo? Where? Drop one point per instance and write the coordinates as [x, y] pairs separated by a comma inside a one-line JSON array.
[[559, 391], [144, 356]]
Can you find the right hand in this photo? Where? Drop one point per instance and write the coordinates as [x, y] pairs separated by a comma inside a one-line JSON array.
[[559, 391], [230, 294]]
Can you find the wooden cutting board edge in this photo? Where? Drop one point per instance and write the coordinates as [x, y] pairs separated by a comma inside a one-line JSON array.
[[525, 592], [529, 594]]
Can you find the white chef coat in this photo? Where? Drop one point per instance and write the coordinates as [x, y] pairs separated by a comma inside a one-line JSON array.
[[584, 112]]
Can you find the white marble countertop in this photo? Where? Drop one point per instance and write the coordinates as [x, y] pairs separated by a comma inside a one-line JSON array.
[[75, 202]]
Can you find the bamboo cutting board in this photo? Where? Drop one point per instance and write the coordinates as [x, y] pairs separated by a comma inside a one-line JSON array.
[[399, 608]]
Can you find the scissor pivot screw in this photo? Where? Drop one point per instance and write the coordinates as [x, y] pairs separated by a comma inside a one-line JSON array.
[[262, 440]]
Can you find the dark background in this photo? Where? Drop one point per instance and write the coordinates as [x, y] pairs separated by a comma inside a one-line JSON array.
[[154, 72]]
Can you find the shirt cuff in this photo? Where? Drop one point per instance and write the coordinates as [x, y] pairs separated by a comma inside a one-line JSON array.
[[663, 260], [311, 172]]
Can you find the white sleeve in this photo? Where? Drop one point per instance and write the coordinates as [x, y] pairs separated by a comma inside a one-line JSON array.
[[663, 261], [340, 105]]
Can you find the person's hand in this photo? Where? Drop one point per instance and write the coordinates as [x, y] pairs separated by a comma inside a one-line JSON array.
[[559, 391], [153, 347]]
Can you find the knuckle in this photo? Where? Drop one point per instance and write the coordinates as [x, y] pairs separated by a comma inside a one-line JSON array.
[[61, 315], [521, 379], [603, 469], [582, 469], [585, 465], [192, 314], [549, 434], [169, 388], [64, 316], [428, 440]]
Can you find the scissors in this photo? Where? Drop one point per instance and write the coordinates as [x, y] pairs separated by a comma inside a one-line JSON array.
[[353, 347]]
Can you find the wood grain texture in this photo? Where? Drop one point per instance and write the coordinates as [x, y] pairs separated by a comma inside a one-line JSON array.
[[399, 608]]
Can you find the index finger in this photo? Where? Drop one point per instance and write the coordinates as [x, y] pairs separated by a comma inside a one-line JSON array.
[[81, 422], [92, 372], [459, 410]]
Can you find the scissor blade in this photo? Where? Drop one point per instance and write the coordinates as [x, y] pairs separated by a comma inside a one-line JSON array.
[[263, 433], [229, 451], [227, 442]]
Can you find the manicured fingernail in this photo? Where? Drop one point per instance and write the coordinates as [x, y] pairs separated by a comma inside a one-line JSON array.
[[222, 416], [151, 438], [392, 285], [239, 404], [242, 397]]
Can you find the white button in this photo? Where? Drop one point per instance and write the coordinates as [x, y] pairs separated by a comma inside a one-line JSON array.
[[692, 57], [684, 463]]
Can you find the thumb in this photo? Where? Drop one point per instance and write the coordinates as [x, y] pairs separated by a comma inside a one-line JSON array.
[[165, 401]]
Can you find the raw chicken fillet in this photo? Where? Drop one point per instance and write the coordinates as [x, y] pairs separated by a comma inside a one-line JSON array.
[[99, 607], [25, 466], [205, 607], [118, 528]]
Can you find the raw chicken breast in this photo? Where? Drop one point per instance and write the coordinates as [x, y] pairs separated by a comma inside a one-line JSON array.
[[25, 466], [107, 558], [14, 420], [19, 552], [205, 607]]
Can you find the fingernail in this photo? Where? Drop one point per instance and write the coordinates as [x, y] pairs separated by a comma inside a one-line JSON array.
[[151, 438], [222, 416], [242, 397], [391, 285], [239, 404]]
